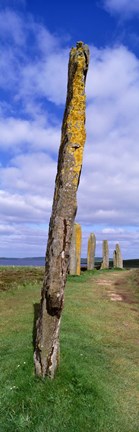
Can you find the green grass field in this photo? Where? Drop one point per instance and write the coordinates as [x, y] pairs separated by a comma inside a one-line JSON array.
[[96, 388]]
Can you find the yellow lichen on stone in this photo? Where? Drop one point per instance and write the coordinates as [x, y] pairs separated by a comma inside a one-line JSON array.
[[78, 241], [62, 217], [76, 116]]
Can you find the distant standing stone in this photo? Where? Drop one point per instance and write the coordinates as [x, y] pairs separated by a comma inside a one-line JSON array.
[[117, 257], [105, 247], [75, 250], [91, 251]]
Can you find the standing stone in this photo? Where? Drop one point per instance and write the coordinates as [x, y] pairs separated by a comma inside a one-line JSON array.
[[91, 251], [105, 263], [118, 261], [75, 250], [46, 355], [72, 257], [114, 259]]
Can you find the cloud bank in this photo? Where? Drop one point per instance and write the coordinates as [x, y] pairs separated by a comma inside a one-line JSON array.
[[33, 80], [124, 7]]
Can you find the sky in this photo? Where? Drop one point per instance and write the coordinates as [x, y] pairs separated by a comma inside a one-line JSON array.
[[35, 40]]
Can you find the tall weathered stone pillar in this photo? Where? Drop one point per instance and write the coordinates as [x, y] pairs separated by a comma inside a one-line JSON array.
[[118, 261], [75, 250], [105, 249], [63, 213], [91, 251]]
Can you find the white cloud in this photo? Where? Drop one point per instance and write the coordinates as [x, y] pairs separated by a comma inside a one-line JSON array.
[[31, 73], [17, 208], [15, 133], [12, 27], [46, 42], [30, 138], [22, 240], [32, 173], [126, 7], [112, 71], [110, 177], [47, 78], [128, 240]]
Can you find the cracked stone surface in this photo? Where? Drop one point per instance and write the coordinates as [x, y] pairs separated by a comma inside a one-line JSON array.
[[73, 135]]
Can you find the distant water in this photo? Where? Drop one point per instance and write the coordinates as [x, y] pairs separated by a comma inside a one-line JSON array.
[[40, 262], [35, 262]]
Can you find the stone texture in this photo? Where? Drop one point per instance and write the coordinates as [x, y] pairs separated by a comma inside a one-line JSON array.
[[105, 250], [75, 250], [117, 257], [91, 251], [114, 259], [46, 355]]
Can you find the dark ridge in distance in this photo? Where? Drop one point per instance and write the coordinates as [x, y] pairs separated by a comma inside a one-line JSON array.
[[40, 262]]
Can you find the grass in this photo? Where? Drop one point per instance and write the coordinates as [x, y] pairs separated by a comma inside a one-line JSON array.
[[96, 388]]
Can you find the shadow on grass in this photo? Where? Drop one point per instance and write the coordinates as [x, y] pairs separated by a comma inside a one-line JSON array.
[[36, 308]]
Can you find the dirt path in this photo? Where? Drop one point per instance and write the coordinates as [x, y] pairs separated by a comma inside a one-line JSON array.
[[116, 285]]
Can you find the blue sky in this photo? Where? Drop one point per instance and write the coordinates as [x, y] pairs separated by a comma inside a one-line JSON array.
[[35, 39]]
